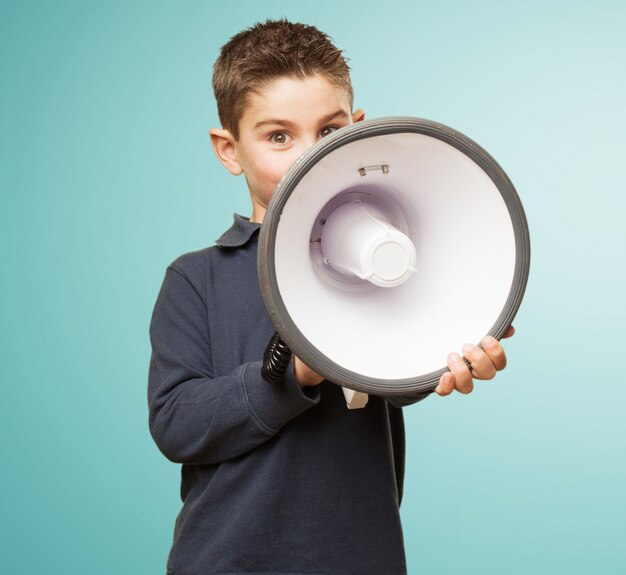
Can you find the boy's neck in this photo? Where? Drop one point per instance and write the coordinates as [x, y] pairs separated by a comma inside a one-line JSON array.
[[258, 213]]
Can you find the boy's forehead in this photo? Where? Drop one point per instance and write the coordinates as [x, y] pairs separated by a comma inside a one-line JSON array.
[[289, 98]]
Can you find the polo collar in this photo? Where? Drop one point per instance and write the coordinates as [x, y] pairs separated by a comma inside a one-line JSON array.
[[239, 233]]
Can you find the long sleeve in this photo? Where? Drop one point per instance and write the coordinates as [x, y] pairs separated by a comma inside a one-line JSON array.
[[265, 467], [196, 415]]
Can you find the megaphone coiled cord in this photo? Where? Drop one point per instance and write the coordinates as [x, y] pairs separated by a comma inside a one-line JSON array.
[[275, 360]]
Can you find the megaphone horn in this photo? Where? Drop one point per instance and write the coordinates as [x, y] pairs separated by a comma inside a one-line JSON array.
[[388, 244]]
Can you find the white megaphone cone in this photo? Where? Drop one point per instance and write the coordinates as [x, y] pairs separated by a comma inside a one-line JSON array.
[[363, 254]]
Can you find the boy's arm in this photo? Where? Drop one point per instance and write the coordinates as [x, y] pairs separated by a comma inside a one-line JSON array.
[[196, 417]]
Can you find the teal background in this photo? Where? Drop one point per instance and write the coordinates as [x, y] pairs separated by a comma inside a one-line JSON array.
[[107, 175]]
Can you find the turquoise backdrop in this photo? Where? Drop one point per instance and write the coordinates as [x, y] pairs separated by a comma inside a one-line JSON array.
[[107, 175]]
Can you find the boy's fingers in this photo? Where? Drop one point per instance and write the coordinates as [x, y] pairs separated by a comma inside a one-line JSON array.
[[509, 332], [484, 363], [464, 382], [494, 350], [482, 366], [446, 384]]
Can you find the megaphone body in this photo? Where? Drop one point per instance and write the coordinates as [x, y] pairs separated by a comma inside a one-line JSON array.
[[387, 245]]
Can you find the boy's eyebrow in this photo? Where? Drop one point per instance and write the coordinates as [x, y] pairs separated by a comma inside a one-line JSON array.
[[283, 122]]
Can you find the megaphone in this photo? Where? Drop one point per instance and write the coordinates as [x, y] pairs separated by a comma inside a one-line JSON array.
[[387, 245]]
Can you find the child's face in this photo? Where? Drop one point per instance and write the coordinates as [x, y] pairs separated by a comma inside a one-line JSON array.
[[279, 123]]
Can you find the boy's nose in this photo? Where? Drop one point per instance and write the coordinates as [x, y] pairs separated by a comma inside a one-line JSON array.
[[308, 143], [312, 138]]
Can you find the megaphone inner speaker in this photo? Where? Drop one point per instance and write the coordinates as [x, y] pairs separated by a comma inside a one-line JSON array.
[[388, 245], [361, 238]]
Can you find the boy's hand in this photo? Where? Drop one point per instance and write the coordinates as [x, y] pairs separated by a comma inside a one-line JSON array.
[[485, 363], [305, 376]]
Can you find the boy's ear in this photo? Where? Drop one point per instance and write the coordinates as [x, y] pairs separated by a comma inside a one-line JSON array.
[[358, 116], [225, 149]]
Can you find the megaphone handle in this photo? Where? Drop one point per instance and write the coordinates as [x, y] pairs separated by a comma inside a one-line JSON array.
[[355, 399], [275, 359]]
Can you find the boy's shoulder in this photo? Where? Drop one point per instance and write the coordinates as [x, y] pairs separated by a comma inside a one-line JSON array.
[[190, 261], [194, 264]]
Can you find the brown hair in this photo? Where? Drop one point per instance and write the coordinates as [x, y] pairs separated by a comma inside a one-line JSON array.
[[256, 56]]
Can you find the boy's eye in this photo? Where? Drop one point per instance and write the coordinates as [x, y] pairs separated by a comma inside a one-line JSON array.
[[279, 138], [325, 131]]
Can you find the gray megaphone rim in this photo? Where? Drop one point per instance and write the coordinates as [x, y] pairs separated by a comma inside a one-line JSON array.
[[274, 304]]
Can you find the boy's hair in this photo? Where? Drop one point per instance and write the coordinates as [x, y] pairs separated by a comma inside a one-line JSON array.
[[255, 57]]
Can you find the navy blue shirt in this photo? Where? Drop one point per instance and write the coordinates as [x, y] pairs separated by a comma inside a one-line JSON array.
[[275, 480]]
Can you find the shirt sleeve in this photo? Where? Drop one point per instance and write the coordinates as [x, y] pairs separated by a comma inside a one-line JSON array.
[[196, 416]]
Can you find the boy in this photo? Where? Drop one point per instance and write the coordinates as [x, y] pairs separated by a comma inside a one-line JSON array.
[[278, 479]]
